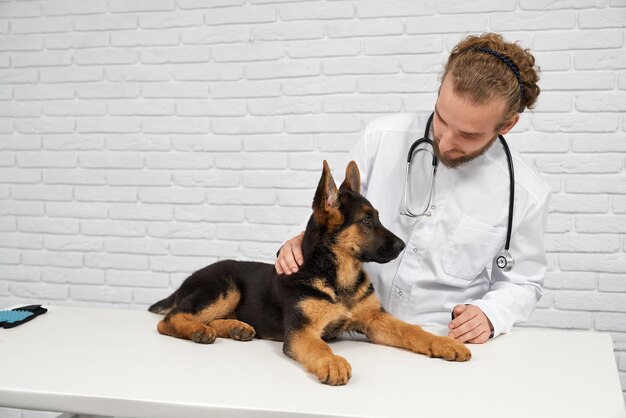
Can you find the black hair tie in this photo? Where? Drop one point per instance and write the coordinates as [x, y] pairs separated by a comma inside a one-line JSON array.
[[504, 59]]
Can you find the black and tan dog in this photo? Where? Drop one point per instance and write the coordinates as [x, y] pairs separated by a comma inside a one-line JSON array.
[[329, 295]]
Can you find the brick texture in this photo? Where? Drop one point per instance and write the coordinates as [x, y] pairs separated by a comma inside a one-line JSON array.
[[143, 139]]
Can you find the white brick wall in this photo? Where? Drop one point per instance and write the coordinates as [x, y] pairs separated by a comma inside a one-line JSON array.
[[143, 139]]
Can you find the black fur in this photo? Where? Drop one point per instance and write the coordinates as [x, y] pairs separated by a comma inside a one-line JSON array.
[[268, 300]]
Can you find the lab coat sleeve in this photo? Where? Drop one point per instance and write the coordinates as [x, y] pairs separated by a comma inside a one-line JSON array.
[[359, 153], [514, 294]]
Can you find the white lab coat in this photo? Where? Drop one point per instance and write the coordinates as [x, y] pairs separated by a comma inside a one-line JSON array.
[[450, 255]]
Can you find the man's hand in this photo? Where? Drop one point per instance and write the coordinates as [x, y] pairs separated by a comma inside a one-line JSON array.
[[470, 325], [290, 256]]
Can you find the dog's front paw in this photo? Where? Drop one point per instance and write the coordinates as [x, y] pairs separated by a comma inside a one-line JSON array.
[[334, 370], [450, 349]]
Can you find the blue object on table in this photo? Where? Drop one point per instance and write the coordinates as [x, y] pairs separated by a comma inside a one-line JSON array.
[[14, 317]]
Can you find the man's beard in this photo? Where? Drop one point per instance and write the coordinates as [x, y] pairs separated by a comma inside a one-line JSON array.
[[455, 157]]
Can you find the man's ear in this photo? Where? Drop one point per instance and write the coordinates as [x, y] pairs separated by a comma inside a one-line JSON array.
[[509, 124], [326, 195], [353, 178]]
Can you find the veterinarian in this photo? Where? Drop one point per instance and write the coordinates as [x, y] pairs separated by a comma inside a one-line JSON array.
[[454, 216]]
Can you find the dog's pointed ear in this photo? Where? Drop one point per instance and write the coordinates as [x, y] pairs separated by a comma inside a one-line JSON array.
[[326, 195], [353, 178]]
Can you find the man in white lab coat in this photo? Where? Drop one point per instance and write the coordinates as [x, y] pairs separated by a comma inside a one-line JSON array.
[[448, 269]]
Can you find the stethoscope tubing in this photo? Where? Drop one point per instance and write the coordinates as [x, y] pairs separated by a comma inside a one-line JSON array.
[[506, 256], [509, 160]]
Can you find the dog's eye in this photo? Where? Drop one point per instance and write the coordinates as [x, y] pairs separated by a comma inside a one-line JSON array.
[[367, 220]]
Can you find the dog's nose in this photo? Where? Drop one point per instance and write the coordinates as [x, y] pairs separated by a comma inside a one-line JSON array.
[[398, 246]]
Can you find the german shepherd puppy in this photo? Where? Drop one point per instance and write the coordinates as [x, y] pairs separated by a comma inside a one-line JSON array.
[[329, 295]]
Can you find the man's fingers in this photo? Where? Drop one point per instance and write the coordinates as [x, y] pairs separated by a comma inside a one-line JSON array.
[[290, 259], [296, 251], [459, 309], [462, 318], [471, 325], [286, 260], [277, 267], [464, 328], [284, 267], [469, 331], [456, 312], [483, 337], [290, 256]]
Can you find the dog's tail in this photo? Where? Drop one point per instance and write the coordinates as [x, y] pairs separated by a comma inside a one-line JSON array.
[[164, 306]]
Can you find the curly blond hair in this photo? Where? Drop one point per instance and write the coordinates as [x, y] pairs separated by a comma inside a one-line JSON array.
[[486, 67]]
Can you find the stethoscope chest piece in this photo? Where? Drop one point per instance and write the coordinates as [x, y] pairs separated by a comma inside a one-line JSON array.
[[505, 261]]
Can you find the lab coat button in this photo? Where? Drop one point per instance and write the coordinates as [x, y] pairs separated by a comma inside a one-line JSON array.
[[415, 250], [399, 292]]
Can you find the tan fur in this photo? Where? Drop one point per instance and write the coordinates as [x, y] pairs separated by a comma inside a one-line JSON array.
[[186, 326], [317, 357], [347, 246], [199, 327], [311, 351], [320, 285], [321, 313], [232, 328], [382, 328], [223, 307], [334, 219], [366, 316], [361, 291]]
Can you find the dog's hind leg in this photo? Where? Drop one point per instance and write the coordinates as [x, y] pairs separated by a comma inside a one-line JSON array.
[[186, 326], [232, 328], [192, 319]]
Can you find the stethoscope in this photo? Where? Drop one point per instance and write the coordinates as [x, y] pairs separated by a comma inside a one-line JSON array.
[[504, 260]]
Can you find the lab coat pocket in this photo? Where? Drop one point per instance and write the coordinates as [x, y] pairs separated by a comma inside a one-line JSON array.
[[472, 247]]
